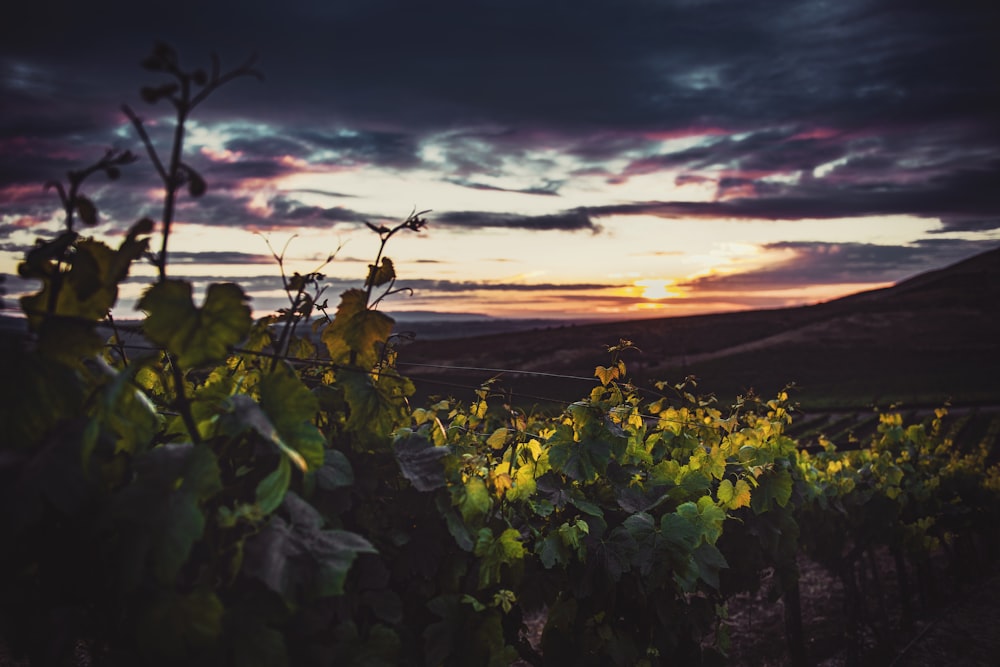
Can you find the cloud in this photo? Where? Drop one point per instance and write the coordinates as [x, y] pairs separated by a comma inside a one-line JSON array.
[[289, 210], [356, 147], [567, 220], [452, 286], [960, 192], [808, 110], [219, 257], [549, 188], [965, 224]]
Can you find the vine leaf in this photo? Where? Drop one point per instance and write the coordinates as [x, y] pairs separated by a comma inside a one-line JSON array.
[[376, 406], [86, 210], [581, 460], [381, 274], [356, 334], [254, 642], [607, 375], [616, 552], [474, 499], [195, 336], [248, 414], [175, 624], [160, 510], [271, 490], [65, 321], [774, 487], [291, 407], [734, 496], [297, 556], [507, 549], [421, 463], [336, 471]]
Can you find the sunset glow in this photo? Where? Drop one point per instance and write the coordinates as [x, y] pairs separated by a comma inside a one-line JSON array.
[[656, 289]]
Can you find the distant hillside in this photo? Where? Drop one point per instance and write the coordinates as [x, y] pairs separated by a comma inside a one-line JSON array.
[[927, 339]]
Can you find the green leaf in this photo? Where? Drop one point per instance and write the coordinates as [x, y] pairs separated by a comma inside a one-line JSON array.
[[68, 339], [175, 625], [297, 558], [291, 407], [459, 531], [615, 552], [709, 560], [725, 492], [336, 471], [65, 320], [552, 551], [680, 536], [195, 336], [249, 415], [271, 490], [127, 413], [254, 643], [494, 553], [706, 516], [773, 488], [377, 407], [580, 460], [421, 462], [474, 499], [160, 510], [37, 395]]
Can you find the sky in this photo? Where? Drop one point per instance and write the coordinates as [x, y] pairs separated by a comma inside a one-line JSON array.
[[579, 160]]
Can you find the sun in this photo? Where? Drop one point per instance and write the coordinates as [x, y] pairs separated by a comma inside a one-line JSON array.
[[656, 289]]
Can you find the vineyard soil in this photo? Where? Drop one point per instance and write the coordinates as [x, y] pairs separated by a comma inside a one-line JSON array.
[[959, 630]]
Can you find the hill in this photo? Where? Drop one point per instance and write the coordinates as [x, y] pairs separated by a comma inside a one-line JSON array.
[[925, 340]]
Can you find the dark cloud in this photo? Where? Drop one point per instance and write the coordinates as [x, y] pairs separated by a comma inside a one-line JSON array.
[[568, 221], [959, 193], [326, 193], [231, 174], [292, 211], [219, 257], [267, 146], [560, 65], [549, 188], [352, 147], [959, 224]]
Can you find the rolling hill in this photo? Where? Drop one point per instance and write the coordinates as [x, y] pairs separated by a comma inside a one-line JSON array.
[[925, 340]]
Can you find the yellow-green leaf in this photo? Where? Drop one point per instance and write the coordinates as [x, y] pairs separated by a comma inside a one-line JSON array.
[[356, 334], [195, 336], [498, 439], [382, 274], [475, 499], [606, 375]]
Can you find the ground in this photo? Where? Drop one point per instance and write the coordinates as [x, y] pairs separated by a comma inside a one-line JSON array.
[[962, 629]]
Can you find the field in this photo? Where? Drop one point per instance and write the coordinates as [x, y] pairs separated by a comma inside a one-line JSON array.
[[924, 342]]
